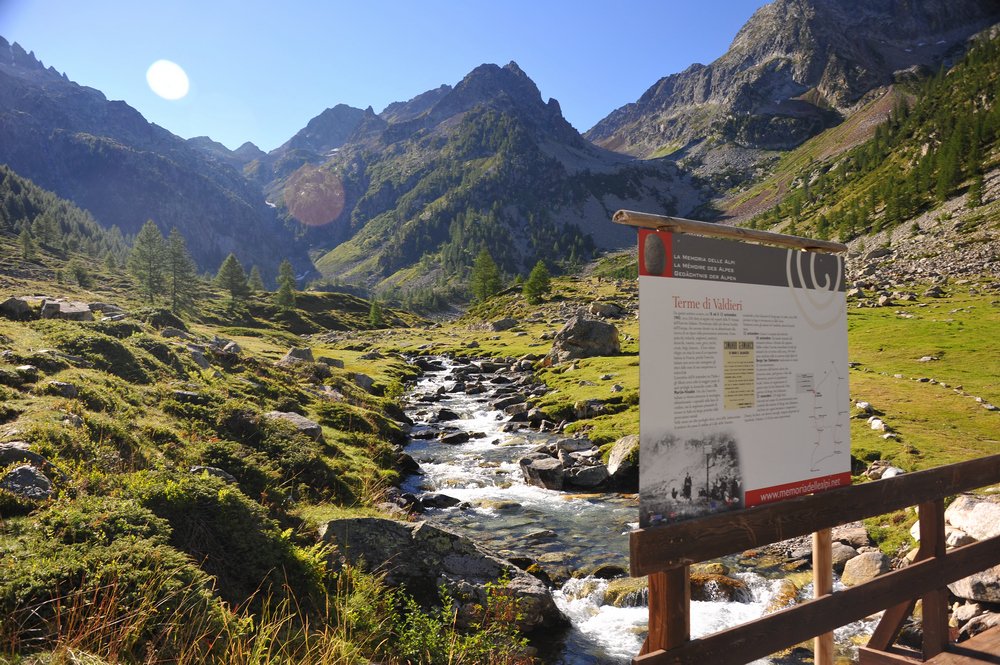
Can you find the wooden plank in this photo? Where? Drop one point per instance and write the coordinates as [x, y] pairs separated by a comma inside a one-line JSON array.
[[935, 602], [823, 585], [979, 650], [890, 624], [868, 656], [680, 225], [772, 633], [664, 547]]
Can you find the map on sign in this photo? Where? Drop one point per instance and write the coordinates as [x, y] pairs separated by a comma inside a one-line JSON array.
[[743, 375]]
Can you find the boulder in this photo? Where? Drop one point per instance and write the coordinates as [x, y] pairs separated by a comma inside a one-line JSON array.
[[573, 445], [18, 309], [296, 355], [64, 309], [364, 382], [584, 338], [503, 324], [17, 452], [607, 310], [27, 482], [586, 477], [711, 587], [222, 474], [546, 472], [976, 516], [454, 438], [841, 554], [435, 500], [623, 464], [63, 389], [332, 362], [864, 567], [170, 331], [308, 427], [422, 558], [983, 587]]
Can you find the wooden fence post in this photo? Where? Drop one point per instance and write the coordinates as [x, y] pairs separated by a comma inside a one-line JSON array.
[[823, 585], [669, 610]]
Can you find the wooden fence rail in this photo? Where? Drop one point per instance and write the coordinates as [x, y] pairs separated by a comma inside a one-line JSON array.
[[665, 553]]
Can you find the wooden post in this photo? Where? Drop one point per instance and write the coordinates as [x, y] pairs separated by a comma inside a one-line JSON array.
[[669, 610], [822, 586], [934, 603]]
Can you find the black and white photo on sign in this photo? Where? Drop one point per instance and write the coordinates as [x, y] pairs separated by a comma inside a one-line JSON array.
[[690, 476]]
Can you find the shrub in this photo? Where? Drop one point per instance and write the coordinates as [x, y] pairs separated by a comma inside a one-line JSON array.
[[228, 533]]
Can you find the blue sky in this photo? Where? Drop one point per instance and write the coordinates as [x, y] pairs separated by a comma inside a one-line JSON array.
[[259, 71]]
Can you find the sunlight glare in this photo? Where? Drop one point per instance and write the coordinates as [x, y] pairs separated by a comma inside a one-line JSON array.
[[167, 79]]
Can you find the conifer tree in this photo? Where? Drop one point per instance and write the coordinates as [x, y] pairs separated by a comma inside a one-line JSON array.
[[376, 318], [180, 272], [485, 280], [975, 196], [285, 296], [27, 243], [255, 281], [539, 283], [145, 261], [233, 278]]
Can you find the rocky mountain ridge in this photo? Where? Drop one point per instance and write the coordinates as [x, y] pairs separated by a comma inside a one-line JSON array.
[[796, 68]]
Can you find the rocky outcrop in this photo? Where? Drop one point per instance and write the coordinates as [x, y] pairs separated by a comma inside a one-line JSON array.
[[422, 558], [791, 71]]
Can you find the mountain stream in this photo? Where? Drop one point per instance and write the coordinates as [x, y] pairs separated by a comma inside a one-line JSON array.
[[578, 539]]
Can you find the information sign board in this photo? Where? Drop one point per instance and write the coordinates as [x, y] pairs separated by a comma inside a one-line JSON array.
[[743, 375]]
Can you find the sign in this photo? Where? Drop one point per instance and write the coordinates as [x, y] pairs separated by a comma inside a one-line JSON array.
[[743, 375]]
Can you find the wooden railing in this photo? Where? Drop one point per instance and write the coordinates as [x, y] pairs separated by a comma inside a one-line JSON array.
[[665, 553]]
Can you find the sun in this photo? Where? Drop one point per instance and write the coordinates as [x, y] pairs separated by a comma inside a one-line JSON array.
[[167, 79]]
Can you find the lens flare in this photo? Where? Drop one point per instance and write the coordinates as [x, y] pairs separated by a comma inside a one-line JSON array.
[[315, 195], [168, 80]]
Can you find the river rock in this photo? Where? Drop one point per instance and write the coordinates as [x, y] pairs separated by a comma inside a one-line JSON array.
[[709, 587], [573, 445], [27, 482], [584, 338], [436, 500], [308, 427], [586, 477], [422, 558], [978, 517], [546, 472], [864, 567], [841, 554], [983, 587], [623, 464], [454, 438]]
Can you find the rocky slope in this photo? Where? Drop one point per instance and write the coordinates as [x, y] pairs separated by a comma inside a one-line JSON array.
[[796, 68], [105, 157]]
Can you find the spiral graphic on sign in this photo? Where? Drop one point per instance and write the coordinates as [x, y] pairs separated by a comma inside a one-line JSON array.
[[815, 287]]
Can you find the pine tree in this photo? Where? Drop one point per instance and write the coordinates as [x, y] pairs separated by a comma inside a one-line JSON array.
[[539, 284], [27, 244], [146, 260], [233, 278], [285, 297], [975, 196], [255, 281], [180, 272], [485, 280], [376, 317]]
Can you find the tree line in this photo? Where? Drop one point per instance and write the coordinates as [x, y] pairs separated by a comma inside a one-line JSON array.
[[164, 270]]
